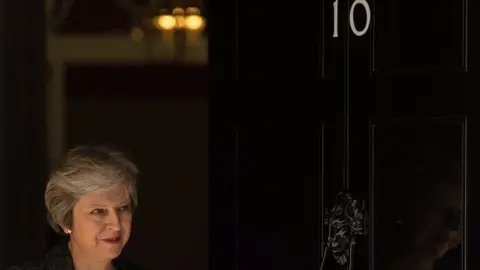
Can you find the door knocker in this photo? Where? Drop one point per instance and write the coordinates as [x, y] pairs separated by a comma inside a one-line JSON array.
[[346, 222]]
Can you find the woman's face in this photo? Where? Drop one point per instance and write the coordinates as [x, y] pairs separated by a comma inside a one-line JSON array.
[[436, 225], [101, 223]]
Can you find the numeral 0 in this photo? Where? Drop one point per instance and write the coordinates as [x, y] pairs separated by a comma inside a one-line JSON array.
[[364, 3]]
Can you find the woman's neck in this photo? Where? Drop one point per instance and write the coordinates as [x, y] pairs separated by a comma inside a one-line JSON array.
[[82, 261]]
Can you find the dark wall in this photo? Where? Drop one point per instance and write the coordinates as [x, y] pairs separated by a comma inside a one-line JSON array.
[[158, 116], [22, 147]]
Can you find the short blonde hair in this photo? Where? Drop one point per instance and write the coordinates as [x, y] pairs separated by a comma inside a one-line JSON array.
[[86, 169]]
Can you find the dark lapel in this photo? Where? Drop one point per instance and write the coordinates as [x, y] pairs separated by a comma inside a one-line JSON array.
[[59, 258]]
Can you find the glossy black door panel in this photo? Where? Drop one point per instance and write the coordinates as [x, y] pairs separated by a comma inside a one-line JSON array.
[[279, 182], [417, 195], [423, 33], [473, 55], [336, 68], [420, 93]]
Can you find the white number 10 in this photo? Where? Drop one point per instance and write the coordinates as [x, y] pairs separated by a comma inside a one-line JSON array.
[[364, 3]]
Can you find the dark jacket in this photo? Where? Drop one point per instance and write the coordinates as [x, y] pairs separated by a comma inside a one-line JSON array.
[[59, 258]]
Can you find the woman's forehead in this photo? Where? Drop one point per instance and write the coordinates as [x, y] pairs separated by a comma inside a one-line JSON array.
[[115, 194]]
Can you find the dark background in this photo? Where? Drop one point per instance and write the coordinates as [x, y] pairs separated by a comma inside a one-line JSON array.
[[156, 113], [163, 126], [275, 161]]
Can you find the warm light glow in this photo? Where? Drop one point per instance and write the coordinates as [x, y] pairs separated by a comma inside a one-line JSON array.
[[165, 22], [178, 11], [193, 11], [179, 14], [137, 34], [180, 20], [194, 22]]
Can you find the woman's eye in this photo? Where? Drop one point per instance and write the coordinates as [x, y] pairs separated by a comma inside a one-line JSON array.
[[124, 208], [98, 212]]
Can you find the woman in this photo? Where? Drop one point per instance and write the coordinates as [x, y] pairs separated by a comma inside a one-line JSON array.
[[90, 198]]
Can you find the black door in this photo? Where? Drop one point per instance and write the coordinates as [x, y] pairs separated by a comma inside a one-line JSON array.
[[369, 98]]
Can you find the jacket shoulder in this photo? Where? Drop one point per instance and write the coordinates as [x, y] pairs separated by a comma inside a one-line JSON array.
[[126, 265], [28, 266]]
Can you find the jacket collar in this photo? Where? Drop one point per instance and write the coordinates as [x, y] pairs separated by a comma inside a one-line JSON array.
[[60, 258]]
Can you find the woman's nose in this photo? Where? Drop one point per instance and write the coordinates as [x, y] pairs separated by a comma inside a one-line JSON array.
[[113, 221]]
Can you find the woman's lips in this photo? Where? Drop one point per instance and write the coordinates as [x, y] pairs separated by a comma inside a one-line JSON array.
[[112, 240]]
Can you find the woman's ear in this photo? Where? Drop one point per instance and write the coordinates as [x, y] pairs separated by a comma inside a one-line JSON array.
[[66, 230]]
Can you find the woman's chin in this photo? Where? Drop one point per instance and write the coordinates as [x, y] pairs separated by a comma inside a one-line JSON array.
[[111, 253]]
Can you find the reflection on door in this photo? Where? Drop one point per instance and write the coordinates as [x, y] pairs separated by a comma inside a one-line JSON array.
[[418, 181]]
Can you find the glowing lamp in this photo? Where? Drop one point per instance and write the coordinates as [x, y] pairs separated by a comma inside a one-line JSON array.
[[165, 22], [194, 22]]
